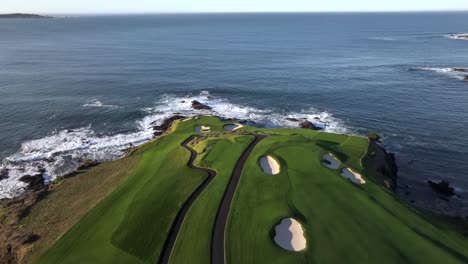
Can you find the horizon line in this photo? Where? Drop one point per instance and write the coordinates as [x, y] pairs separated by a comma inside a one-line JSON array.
[[247, 12]]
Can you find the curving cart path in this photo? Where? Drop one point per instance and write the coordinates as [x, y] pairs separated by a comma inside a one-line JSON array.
[[174, 231], [218, 239]]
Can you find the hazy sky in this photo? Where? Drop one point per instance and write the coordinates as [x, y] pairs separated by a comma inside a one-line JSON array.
[[164, 6]]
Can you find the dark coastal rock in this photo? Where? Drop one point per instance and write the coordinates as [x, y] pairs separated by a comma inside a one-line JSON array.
[[4, 174], [374, 137], [460, 69], [465, 78], [166, 124], [86, 164], [35, 182], [317, 118], [199, 106], [459, 36], [14, 240], [292, 119], [382, 165], [442, 187], [309, 125]]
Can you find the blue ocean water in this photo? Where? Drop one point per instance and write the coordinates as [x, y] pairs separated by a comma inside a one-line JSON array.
[[88, 87]]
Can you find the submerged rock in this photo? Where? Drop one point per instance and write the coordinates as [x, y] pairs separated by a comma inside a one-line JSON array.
[[442, 187], [309, 125], [460, 69], [199, 106], [4, 173], [35, 182]]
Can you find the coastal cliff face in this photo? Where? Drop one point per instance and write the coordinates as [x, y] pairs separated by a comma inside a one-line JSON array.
[[381, 165], [14, 241]]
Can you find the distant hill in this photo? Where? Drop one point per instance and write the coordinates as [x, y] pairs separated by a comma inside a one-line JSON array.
[[19, 15]]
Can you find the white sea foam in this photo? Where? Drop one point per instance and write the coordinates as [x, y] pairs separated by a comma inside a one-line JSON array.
[[461, 36], [383, 38], [454, 72], [59, 153], [99, 104]]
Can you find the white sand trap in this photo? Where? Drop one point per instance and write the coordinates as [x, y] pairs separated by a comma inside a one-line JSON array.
[[269, 165], [232, 127], [289, 235], [186, 119], [353, 176], [202, 129], [332, 163]]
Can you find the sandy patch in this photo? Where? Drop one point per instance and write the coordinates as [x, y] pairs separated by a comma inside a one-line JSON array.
[[332, 163], [269, 165], [289, 235], [186, 119], [232, 127], [353, 176], [202, 129]]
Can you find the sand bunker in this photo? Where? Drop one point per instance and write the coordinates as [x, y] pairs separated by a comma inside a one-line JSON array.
[[202, 128], [232, 127], [289, 235], [186, 119], [353, 176], [332, 163], [269, 165]]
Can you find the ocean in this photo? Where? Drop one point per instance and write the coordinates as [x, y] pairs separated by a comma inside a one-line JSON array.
[[88, 87]]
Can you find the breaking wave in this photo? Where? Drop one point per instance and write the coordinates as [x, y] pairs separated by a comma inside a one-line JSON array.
[[99, 104], [383, 39], [60, 153], [454, 72], [461, 36]]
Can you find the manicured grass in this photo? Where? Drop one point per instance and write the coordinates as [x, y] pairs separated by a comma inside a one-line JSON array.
[[122, 211], [343, 222], [131, 224], [70, 199], [194, 240]]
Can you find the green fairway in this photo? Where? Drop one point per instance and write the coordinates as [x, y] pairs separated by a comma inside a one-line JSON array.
[[343, 222], [193, 245]]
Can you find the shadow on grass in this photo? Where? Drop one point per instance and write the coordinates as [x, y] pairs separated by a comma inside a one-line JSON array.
[[332, 147]]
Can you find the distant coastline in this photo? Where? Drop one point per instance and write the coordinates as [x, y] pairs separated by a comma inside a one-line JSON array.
[[19, 15]]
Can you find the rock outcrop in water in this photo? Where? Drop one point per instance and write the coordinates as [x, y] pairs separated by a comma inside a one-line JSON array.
[[199, 106], [459, 36], [309, 125], [4, 174], [442, 187], [35, 182]]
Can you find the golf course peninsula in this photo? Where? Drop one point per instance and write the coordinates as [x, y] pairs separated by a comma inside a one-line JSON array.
[[214, 190]]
